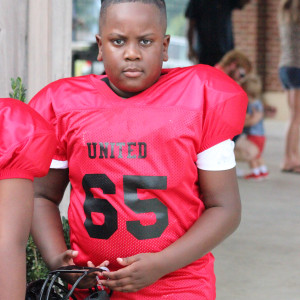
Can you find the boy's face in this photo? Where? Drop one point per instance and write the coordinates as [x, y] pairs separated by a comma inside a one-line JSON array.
[[133, 46]]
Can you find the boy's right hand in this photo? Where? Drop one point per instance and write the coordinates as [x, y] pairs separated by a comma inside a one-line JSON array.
[[66, 259]]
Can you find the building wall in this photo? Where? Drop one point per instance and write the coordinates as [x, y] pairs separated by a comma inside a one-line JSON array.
[[13, 42], [35, 42]]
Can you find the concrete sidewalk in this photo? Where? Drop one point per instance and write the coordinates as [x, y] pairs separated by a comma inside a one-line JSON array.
[[261, 260]]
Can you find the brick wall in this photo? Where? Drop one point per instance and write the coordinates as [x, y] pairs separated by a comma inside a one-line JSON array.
[[256, 34]]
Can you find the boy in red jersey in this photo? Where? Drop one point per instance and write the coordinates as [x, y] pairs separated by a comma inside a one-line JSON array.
[[150, 159], [27, 144]]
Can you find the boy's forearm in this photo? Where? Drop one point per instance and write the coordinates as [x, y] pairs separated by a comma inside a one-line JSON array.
[[46, 227], [13, 271], [215, 224], [47, 231], [16, 201], [222, 216]]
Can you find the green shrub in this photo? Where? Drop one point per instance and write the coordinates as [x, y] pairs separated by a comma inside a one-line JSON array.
[[35, 266], [18, 89]]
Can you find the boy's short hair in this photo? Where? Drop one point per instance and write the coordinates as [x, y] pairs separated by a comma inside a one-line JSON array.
[[235, 56], [161, 5], [252, 85]]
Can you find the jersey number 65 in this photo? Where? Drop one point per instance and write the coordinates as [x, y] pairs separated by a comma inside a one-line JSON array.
[[131, 184]]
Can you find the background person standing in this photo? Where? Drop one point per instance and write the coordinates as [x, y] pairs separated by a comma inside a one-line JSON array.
[[211, 21], [289, 73]]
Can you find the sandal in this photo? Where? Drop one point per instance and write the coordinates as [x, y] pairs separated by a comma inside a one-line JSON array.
[[293, 170]]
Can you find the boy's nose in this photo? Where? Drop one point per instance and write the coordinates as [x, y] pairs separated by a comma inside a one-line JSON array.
[[132, 52]]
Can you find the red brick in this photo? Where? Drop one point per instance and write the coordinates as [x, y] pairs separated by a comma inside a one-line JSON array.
[[256, 34]]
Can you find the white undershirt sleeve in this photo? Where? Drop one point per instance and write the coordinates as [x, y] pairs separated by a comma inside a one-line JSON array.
[[217, 158], [58, 164]]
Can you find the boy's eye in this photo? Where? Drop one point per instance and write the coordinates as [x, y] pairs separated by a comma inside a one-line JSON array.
[[145, 42], [118, 42]]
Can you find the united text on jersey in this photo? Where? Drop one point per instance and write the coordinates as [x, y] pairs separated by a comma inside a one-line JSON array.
[[104, 150]]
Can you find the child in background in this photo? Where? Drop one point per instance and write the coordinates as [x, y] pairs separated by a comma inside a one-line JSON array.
[[150, 159], [235, 64], [254, 127], [27, 144]]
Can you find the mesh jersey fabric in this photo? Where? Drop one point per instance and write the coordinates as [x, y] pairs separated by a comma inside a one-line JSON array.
[[27, 141], [132, 165]]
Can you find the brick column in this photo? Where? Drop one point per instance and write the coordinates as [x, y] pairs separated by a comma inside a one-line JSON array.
[[256, 34], [272, 46]]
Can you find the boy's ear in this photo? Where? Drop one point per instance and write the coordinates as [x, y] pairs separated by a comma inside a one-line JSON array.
[[166, 43], [99, 42]]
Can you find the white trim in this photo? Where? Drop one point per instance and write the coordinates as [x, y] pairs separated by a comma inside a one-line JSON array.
[[217, 158], [59, 164]]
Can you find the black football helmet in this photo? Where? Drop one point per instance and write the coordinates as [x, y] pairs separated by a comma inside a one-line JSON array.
[[52, 288]]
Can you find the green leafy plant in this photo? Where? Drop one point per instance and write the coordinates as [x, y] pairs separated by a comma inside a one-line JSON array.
[[35, 266], [18, 89], [66, 229]]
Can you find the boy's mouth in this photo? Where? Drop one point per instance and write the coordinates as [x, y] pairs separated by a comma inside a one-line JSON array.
[[132, 72]]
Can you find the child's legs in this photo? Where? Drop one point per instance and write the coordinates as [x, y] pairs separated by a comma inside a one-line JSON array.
[[259, 141], [260, 162], [254, 163]]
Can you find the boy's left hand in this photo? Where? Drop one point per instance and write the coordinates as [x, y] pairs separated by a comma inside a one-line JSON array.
[[139, 271]]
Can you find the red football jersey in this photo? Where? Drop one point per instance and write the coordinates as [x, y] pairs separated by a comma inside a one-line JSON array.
[[27, 141], [132, 165]]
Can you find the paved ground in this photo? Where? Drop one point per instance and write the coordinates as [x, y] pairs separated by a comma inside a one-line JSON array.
[[261, 260]]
